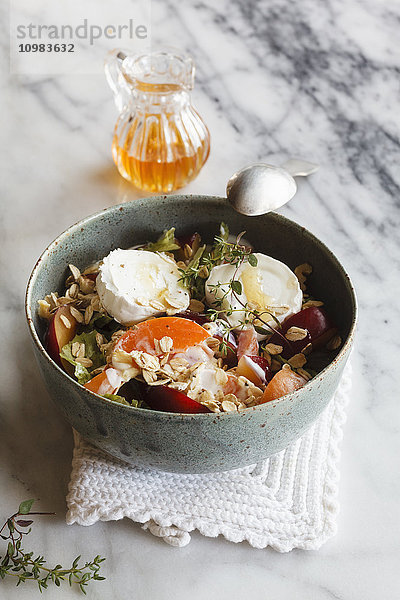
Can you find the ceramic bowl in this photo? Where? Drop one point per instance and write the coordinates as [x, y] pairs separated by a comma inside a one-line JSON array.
[[180, 442]]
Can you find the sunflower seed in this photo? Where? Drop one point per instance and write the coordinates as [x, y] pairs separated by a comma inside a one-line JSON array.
[[44, 309], [73, 290], [99, 339], [120, 356], [196, 306], [66, 321], [172, 302], [179, 364], [95, 304], [312, 303], [157, 305], [88, 314], [94, 268], [206, 396], [297, 361], [159, 382], [187, 251], [166, 344], [145, 361], [85, 362], [295, 334], [130, 373], [64, 300], [148, 376], [203, 272], [273, 349], [75, 348], [75, 272], [86, 285], [228, 406], [213, 343], [76, 314], [301, 272]]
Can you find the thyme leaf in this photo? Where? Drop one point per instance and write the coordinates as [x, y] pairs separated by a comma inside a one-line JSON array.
[[24, 566]]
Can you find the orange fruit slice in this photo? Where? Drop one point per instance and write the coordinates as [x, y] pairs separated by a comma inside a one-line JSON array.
[[184, 335], [101, 384], [282, 383]]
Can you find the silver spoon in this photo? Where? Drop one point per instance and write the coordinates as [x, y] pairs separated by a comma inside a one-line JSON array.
[[260, 188]]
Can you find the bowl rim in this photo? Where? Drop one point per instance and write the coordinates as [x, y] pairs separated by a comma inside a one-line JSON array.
[[154, 200]]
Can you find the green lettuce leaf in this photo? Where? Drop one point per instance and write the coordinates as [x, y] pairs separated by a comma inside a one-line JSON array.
[[121, 400], [92, 351], [165, 243], [116, 398], [195, 260], [104, 324]]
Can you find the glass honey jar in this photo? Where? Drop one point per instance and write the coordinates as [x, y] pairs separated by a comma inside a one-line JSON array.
[[160, 142]]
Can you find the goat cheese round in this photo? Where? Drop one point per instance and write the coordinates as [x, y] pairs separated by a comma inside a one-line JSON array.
[[270, 286], [134, 285]]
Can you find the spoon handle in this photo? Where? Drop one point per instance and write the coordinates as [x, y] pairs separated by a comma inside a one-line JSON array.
[[299, 168]]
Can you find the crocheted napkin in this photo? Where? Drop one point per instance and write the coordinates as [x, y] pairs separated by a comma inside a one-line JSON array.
[[287, 501]]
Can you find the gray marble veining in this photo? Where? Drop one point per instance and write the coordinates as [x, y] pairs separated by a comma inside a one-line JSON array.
[[275, 78]]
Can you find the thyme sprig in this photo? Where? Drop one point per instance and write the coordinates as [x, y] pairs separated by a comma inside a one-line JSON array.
[[24, 566], [236, 254]]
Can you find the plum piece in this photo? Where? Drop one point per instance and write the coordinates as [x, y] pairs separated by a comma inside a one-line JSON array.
[[314, 319], [317, 323], [58, 334], [161, 397]]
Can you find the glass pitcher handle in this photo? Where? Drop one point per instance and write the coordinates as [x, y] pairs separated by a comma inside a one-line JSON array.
[[116, 80]]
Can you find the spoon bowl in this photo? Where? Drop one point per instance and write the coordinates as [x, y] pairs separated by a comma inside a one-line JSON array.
[[260, 188]]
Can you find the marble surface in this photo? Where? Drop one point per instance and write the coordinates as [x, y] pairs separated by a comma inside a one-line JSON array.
[[275, 78]]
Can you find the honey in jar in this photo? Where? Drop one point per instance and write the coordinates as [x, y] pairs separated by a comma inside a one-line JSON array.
[[160, 142]]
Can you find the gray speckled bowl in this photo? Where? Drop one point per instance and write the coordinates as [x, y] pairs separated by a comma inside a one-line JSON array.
[[179, 442]]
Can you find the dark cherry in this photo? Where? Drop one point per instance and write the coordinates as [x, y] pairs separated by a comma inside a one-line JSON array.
[[317, 323], [161, 397]]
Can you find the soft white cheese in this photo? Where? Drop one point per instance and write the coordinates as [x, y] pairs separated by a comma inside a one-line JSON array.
[[270, 286], [134, 285]]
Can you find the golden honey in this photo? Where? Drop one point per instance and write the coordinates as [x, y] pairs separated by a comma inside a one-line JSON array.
[[160, 142]]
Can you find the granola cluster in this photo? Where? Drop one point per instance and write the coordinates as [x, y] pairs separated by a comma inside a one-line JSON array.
[[179, 374]]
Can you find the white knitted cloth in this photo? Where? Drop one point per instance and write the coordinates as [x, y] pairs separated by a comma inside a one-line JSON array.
[[287, 501]]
